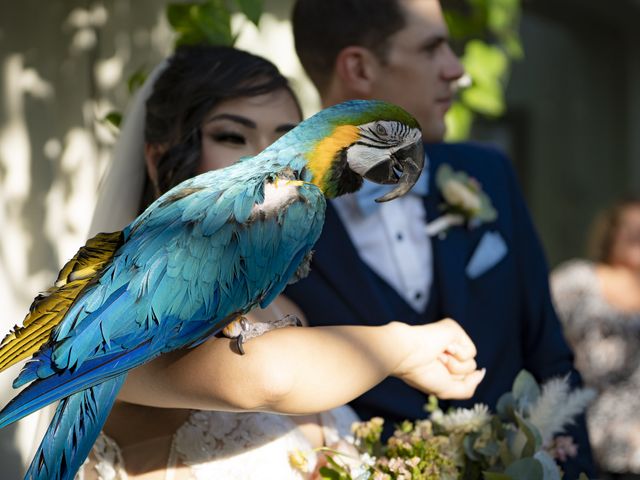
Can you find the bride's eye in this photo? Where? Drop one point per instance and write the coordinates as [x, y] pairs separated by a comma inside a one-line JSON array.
[[229, 137]]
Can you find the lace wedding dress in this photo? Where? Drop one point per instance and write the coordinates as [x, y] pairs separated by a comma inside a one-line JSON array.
[[221, 445]]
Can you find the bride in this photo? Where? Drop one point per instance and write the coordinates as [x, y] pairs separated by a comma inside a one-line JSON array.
[[178, 417]]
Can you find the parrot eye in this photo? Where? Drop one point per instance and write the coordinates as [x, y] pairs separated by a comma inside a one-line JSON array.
[[381, 130]]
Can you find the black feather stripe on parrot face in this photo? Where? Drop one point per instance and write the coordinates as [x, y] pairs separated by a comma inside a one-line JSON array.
[[347, 181]]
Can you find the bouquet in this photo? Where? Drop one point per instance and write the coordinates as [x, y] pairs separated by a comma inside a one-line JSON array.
[[519, 441]]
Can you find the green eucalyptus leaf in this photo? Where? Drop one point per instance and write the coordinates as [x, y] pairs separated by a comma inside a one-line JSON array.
[[252, 9], [525, 469], [506, 455], [506, 406], [525, 390], [491, 449], [469, 450], [533, 437], [550, 469]]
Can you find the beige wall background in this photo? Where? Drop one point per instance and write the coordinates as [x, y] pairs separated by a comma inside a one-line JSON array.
[[572, 126]]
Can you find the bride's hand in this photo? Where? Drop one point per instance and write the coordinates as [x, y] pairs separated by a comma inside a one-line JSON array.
[[440, 359]]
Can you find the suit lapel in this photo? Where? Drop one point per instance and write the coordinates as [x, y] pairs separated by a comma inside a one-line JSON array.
[[450, 252], [337, 260]]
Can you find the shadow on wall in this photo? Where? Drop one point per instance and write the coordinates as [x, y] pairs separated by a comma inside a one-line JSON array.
[[12, 468]]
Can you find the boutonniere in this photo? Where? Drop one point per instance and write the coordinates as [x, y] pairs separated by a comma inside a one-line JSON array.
[[464, 202]]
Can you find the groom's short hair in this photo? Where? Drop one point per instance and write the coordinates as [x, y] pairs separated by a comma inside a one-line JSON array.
[[322, 28]]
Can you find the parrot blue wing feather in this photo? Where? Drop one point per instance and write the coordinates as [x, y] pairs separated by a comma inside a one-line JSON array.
[[179, 277], [73, 430]]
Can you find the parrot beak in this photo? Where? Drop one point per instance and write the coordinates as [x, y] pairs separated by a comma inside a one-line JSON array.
[[403, 169]]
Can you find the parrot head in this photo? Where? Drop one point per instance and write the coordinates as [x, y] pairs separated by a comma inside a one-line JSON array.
[[360, 139]]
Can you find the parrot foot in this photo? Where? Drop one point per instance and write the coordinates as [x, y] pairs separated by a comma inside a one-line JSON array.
[[244, 329]]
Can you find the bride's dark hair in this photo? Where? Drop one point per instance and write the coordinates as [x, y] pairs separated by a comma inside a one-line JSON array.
[[196, 79]]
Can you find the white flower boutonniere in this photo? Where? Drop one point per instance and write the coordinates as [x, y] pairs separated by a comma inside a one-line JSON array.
[[464, 202]]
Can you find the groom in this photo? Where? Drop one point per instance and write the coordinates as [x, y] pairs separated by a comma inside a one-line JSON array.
[[374, 263]]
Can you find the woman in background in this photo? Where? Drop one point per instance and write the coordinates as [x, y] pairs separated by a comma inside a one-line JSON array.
[[209, 107], [598, 303]]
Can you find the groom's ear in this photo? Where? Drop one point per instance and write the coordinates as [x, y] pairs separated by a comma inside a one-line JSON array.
[[152, 154], [357, 69]]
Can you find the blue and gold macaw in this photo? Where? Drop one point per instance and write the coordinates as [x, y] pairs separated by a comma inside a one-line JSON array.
[[202, 255]]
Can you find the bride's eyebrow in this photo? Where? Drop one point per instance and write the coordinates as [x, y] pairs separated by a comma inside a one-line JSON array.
[[244, 121]]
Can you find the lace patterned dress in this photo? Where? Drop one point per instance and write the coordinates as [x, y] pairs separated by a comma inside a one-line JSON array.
[[606, 342], [221, 445]]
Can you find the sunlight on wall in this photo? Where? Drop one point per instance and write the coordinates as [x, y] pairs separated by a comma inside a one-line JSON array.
[[17, 284], [70, 201], [274, 40], [15, 163]]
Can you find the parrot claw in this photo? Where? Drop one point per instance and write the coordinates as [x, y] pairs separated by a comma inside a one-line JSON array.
[[243, 329], [290, 320], [239, 343]]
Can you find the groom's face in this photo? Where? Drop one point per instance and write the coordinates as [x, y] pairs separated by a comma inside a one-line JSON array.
[[420, 69]]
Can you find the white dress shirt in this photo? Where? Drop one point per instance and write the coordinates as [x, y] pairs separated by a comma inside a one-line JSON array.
[[392, 241]]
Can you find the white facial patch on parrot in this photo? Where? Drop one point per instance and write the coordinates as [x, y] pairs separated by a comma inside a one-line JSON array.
[[277, 195], [379, 140], [361, 158]]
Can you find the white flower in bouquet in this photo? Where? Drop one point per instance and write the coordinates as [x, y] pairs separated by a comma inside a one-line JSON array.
[[462, 420]]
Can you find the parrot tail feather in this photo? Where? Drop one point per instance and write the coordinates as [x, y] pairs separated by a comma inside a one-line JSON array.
[[47, 390], [73, 431]]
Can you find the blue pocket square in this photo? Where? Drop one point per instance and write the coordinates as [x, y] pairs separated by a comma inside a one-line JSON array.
[[490, 250]]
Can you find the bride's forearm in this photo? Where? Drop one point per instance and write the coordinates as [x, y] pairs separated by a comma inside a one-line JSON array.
[[291, 370]]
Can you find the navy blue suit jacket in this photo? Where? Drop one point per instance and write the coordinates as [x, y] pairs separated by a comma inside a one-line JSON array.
[[507, 310]]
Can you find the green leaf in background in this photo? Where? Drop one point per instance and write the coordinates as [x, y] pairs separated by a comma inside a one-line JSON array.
[[485, 63], [195, 23], [487, 31], [136, 80], [459, 120], [486, 99], [114, 119], [252, 9], [502, 15], [213, 19], [179, 16]]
